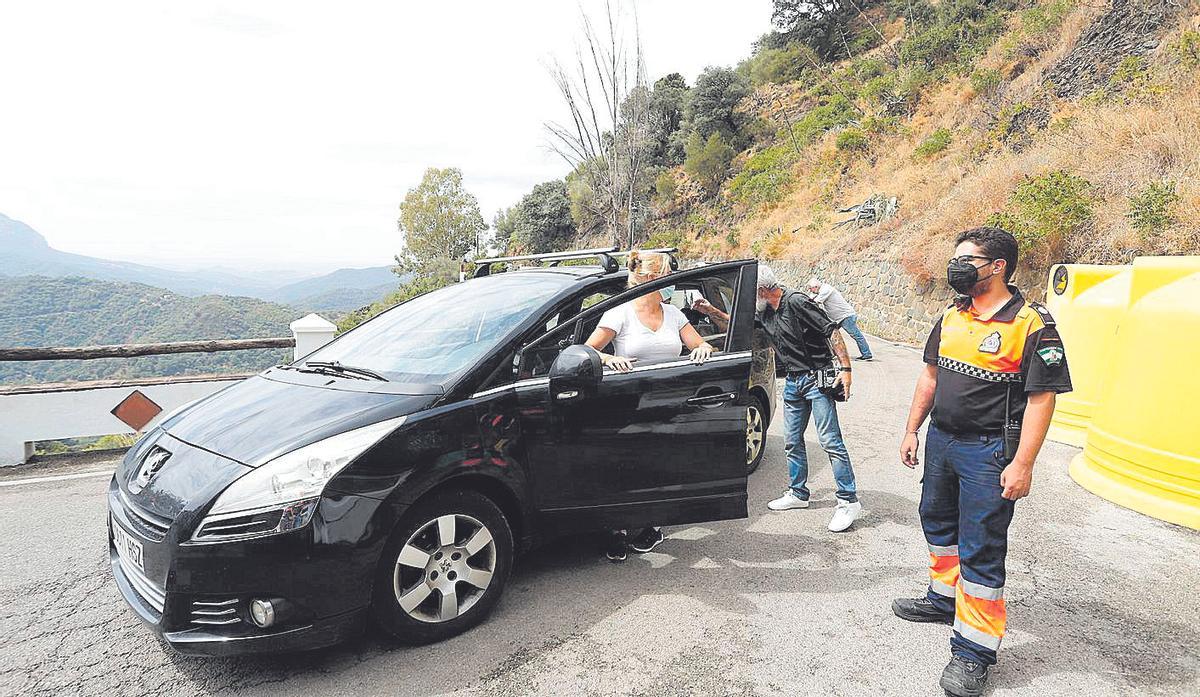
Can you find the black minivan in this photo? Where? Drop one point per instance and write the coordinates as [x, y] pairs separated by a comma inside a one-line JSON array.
[[392, 474]]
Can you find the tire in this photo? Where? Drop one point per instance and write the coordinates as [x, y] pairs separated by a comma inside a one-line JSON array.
[[419, 566], [757, 420]]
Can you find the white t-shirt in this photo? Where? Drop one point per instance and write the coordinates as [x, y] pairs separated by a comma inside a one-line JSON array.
[[635, 340], [833, 302]]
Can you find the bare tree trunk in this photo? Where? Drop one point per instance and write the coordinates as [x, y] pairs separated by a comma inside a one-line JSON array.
[[611, 127]]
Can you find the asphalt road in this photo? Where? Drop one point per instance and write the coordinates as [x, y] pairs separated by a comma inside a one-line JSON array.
[[1102, 601]]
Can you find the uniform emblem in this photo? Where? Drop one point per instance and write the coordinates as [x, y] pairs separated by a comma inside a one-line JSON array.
[[1051, 355], [990, 343]]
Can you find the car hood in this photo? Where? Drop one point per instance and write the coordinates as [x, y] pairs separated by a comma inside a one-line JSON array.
[[268, 415]]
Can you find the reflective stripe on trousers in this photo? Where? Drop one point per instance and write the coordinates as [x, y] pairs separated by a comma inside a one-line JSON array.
[[965, 520]]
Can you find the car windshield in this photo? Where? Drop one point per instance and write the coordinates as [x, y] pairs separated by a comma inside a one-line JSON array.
[[433, 336]]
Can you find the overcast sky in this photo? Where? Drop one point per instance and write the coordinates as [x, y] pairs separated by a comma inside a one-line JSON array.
[[286, 134]]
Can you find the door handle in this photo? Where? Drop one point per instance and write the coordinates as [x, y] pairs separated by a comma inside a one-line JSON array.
[[712, 400]]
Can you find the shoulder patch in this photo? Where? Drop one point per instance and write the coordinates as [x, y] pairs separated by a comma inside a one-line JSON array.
[[1052, 356]]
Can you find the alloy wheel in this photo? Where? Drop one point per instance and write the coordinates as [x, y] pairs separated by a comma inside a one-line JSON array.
[[754, 433], [444, 568]]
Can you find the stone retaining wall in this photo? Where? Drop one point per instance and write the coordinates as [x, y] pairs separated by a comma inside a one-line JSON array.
[[890, 303]]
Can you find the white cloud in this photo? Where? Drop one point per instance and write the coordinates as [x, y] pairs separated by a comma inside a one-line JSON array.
[[290, 131]]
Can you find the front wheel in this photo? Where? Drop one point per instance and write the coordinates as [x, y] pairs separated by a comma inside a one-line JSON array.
[[444, 568]]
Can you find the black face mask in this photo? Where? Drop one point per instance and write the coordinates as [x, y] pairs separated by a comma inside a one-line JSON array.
[[962, 276]]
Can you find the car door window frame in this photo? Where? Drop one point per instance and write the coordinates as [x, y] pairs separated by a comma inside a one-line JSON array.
[[582, 318]]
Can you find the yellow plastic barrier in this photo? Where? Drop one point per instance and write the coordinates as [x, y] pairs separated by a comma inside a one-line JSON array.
[[1143, 443], [1087, 301]]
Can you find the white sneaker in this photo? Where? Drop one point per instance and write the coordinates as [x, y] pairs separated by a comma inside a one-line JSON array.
[[787, 502], [845, 515]]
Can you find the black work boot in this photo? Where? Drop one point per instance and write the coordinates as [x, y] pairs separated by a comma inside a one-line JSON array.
[[920, 610], [963, 678]]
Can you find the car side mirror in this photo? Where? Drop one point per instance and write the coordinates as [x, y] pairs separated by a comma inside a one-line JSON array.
[[575, 374]]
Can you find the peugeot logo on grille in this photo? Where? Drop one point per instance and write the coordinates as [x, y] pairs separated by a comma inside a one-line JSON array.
[[151, 464]]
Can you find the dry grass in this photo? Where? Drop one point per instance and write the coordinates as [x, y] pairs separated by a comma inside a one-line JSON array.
[[1118, 146]]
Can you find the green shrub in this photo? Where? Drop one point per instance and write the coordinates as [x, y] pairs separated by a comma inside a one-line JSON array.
[[879, 89], [1040, 19], [665, 188], [869, 68], [1151, 209], [1043, 210], [985, 80], [1007, 119], [1130, 71], [852, 140], [835, 111], [765, 178], [670, 237], [708, 160], [880, 125], [959, 31], [937, 141], [777, 65], [1187, 48]]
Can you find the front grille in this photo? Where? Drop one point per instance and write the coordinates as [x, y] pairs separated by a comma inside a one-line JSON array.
[[215, 612], [154, 595], [151, 525]]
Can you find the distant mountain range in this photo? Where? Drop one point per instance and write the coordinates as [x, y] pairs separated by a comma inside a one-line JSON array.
[[23, 251], [73, 311]]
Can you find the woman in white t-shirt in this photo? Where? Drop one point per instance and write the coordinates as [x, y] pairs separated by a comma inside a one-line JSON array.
[[645, 329]]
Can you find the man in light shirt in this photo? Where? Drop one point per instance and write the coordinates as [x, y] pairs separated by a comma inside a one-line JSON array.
[[841, 312]]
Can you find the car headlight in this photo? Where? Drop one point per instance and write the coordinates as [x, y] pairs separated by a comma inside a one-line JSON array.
[[282, 494]]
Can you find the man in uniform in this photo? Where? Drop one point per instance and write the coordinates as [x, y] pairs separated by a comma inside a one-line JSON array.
[[994, 365]]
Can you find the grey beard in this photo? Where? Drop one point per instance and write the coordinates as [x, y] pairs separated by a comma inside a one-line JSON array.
[[760, 305]]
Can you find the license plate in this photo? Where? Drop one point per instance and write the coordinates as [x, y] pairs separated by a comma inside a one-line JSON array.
[[128, 548]]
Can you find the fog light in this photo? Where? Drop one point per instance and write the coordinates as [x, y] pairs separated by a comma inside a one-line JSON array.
[[262, 612]]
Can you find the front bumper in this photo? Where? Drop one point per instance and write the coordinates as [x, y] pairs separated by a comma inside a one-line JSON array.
[[323, 571], [243, 638]]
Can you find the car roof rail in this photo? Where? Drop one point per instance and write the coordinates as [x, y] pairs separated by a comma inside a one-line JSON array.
[[607, 257], [483, 267]]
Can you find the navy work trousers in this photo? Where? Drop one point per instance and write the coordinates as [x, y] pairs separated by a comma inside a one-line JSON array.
[[966, 526]]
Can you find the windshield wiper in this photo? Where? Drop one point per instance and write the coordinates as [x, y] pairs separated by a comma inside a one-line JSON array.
[[342, 369]]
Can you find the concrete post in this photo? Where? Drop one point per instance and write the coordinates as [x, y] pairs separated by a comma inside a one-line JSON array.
[[14, 452], [312, 332]]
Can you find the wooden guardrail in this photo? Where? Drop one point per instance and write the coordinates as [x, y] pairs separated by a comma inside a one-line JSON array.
[[58, 353], [51, 411]]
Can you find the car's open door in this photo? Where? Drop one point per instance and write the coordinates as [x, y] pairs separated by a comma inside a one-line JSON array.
[[664, 444]]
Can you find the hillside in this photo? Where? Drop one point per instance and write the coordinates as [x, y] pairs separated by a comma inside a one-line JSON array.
[[344, 289], [1076, 126], [38, 311], [25, 251]]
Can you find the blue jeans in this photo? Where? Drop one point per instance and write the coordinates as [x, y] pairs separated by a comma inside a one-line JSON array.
[[966, 526], [802, 399], [850, 324]]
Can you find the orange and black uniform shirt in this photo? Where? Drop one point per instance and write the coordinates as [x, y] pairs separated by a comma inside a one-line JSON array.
[[981, 358]]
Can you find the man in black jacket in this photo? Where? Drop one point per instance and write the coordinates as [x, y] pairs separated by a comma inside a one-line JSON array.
[[806, 343]]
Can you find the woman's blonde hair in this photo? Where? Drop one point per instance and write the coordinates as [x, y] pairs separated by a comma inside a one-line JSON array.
[[643, 265]]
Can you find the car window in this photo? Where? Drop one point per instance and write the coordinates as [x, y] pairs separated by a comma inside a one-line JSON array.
[[436, 335], [716, 288]]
